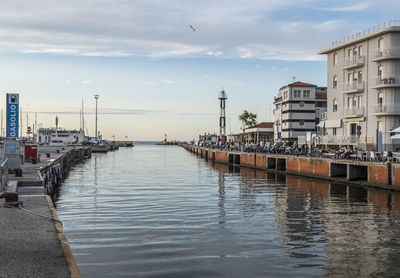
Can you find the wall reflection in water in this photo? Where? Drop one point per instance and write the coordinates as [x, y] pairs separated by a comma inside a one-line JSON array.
[[347, 231]]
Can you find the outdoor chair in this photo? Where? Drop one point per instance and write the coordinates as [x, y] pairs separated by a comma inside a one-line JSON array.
[[372, 156], [360, 155]]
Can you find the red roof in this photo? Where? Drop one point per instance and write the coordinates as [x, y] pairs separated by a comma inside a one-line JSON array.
[[320, 95], [265, 125], [299, 84]]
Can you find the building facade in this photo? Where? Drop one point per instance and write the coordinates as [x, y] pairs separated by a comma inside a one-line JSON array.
[[364, 89], [262, 132], [298, 107]]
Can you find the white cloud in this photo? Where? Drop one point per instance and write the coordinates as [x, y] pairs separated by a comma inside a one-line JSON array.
[[169, 81], [86, 82], [158, 29], [150, 83], [67, 82]]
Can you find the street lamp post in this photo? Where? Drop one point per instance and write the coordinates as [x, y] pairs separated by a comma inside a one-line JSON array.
[[96, 97]]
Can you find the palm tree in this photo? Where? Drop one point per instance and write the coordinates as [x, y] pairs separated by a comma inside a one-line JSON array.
[[248, 119]]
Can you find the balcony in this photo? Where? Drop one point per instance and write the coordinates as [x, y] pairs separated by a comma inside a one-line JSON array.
[[355, 87], [387, 54], [386, 109], [386, 82], [324, 115], [354, 62], [353, 112]]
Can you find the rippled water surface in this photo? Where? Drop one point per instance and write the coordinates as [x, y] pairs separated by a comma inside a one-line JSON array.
[[161, 211]]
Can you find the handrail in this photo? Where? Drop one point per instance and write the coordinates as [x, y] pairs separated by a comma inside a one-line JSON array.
[[3, 175]]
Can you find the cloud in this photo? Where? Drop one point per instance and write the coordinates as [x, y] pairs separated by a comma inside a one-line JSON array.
[[86, 82], [356, 7], [149, 83], [67, 82], [169, 81], [157, 29]]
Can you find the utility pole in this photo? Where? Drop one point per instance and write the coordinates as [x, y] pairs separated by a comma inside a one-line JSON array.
[[96, 97]]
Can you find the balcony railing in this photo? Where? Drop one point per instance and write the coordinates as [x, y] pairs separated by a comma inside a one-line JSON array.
[[353, 112], [354, 87], [388, 109], [386, 82], [386, 54], [357, 35], [324, 115], [337, 140], [354, 62]]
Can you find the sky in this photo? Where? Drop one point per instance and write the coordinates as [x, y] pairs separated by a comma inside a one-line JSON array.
[[154, 75]]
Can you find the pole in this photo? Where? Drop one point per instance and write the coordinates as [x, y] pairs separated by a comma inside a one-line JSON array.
[[96, 97]]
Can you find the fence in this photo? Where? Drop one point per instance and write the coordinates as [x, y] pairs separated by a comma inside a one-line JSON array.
[[3, 175]]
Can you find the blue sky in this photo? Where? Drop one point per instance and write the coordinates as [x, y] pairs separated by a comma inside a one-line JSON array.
[[153, 74]]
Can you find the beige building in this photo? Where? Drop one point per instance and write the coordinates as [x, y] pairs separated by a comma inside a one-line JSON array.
[[364, 89]]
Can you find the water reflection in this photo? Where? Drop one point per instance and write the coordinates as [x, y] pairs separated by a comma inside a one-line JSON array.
[[161, 211], [347, 231]]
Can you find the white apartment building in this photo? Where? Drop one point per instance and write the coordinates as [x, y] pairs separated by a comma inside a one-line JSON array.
[[295, 110], [364, 89]]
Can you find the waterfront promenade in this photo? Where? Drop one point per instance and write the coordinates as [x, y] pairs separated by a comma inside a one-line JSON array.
[[366, 173], [32, 241]]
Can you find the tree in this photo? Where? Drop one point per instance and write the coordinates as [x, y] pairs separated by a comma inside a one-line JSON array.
[[248, 119]]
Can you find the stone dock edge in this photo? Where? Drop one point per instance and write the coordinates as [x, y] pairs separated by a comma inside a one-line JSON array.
[[72, 266], [377, 174]]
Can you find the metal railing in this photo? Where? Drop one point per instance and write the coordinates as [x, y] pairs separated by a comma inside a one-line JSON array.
[[3, 175], [386, 108], [386, 53], [324, 115], [337, 140], [353, 86], [386, 81], [374, 28], [356, 60], [353, 112]]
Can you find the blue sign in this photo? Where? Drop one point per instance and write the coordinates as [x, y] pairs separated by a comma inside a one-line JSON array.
[[12, 115]]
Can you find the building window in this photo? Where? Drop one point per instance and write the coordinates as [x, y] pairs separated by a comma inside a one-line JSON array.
[[334, 131], [380, 45], [306, 93], [297, 94], [360, 54], [334, 105], [335, 81], [380, 73], [335, 59], [301, 122], [353, 129], [359, 101], [355, 52], [359, 77]]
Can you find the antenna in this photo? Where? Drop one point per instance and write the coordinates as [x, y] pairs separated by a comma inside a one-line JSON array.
[[294, 78]]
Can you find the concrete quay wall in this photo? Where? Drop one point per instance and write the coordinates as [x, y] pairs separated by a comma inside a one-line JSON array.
[[375, 174]]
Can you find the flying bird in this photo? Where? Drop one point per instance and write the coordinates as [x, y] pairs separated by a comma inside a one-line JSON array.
[[193, 28]]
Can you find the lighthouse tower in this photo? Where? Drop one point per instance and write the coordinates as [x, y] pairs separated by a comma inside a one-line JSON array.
[[222, 120]]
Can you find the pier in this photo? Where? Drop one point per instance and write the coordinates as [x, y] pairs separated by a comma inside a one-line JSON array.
[[32, 241], [384, 175]]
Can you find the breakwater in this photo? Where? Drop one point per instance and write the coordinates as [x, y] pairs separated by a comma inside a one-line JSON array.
[[368, 173]]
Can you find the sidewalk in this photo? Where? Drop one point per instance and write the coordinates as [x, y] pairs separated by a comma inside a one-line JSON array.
[[29, 244]]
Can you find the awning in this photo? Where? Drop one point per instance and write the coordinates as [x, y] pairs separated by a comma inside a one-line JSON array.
[[333, 123], [321, 124], [397, 129], [396, 136]]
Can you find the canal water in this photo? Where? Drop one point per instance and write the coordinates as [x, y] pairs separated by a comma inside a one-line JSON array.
[[161, 211]]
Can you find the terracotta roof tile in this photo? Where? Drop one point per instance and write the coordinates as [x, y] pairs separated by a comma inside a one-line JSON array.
[[265, 125]]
